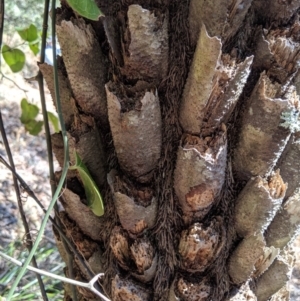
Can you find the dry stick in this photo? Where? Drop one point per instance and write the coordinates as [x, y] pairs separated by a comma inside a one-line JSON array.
[[42, 96], [57, 227], [11, 80], [20, 205], [70, 256], [57, 224], [69, 263], [16, 186], [21, 209], [64, 171], [90, 285]]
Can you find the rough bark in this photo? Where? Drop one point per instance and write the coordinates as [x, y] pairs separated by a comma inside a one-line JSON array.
[[186, 115], [285, 225], [200, 173], [136, 133], [262, 137], [274, 278], [257, 204], [85, 67], [251, 258]]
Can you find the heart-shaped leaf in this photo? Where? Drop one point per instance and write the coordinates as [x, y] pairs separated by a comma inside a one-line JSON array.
[[29, 111], [14, 58], [35, 48], [34, 127], [29, 34]]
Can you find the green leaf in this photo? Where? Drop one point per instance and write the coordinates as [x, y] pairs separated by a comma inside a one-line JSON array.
[[14, 58], [34, 127], [91, 190], [29, 111], [86, 8], [54, 120], [29, 34], [35, 48]]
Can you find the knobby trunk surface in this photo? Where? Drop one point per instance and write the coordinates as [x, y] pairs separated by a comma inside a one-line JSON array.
[[186, 115]]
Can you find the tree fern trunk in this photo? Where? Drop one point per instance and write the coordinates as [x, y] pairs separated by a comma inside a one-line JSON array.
[[186, 115]]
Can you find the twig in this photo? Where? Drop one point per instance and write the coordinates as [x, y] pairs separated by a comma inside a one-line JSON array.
[[4, 76], [62, 124], [89, 285], [64, 170], [40, 80], [20, 205], [16, 46], [57, 227], [16, 186], [42, 229]]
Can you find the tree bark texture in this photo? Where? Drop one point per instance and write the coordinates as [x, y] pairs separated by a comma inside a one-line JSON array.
[[185, 113]]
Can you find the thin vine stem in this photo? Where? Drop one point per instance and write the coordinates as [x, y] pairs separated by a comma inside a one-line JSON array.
[[15, 181], [62, 124], [88, 285], [34, 197], [64, 170], [42, 229], [20, 206], [40, 80]]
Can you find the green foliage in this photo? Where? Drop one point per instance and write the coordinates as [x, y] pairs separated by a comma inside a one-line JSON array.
[[34, 127], [54, 120], [14, 58], [29, 34], [35, 48], [30, 290], [91, 190], [87, 9], [29, 113]]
